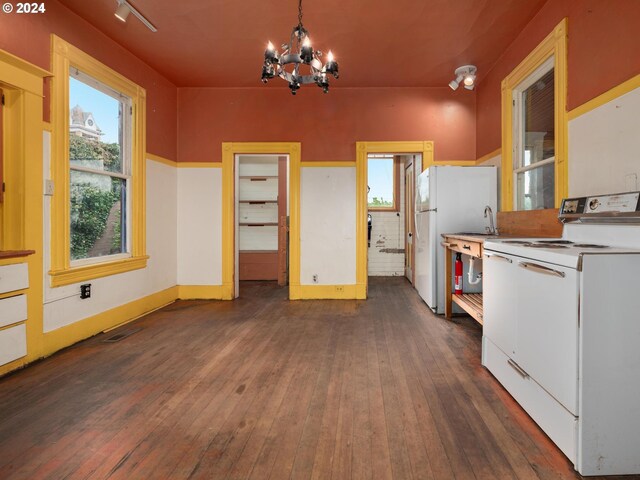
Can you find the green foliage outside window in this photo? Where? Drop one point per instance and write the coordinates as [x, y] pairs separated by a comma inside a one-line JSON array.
[[90, 204], [380, 202]]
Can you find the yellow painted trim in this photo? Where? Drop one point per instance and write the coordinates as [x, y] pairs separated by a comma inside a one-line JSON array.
[[349, 163], [70, 334], [98, 270], [199, 165], [22, 74], [327, 292], [47, 127], [21, 213], [606, 97], [229, 151], [205, 292], [554, 44], [159, 159], [64, 55], [363, 149], [488, 156]]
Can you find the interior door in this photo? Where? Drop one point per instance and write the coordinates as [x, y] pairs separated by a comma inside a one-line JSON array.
[[409, 192]]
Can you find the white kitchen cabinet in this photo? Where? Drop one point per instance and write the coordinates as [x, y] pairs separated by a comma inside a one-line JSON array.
[[500, 302], [547, 327]]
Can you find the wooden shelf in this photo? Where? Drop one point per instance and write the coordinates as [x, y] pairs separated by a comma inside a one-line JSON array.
[[259, 224], [470, 303]]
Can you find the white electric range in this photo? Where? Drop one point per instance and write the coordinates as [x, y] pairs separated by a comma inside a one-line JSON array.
[[562, 330]]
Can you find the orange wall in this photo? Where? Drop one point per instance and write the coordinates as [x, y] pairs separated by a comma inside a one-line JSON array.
[[327, 125], [604, 51], [28, 37]]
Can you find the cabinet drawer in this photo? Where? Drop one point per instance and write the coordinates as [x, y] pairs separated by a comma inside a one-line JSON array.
[[14, 277], [555, 420], [13, 343], [13, 310], [468, 248]]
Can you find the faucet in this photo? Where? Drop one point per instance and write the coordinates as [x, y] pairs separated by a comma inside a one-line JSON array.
[[491, 229]]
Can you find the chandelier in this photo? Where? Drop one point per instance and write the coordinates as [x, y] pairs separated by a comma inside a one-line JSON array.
[[298, 63]]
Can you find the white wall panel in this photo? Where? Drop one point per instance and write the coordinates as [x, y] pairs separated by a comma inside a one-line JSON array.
[[199, 226], [604, 148], [63, 305], [328, 225]]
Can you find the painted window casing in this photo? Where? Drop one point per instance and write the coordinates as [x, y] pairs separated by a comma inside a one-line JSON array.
[[552, 49], [63, 272]]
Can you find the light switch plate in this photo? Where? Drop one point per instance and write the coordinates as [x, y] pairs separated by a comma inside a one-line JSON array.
[[48, 187]]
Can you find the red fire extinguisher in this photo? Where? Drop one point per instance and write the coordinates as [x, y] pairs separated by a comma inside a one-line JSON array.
[[458, 274]]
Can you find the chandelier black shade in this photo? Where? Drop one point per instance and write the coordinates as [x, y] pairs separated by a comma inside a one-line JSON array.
[[298, 63]]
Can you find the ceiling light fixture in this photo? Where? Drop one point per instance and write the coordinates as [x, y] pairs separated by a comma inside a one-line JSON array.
[[125, 8], [300, 54], [465, 74]]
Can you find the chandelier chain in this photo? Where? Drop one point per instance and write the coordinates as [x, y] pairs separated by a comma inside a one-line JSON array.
[[300, 14]]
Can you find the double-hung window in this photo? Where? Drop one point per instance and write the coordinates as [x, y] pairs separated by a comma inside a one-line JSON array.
[[98, 158], [534, 140], [534, 127]]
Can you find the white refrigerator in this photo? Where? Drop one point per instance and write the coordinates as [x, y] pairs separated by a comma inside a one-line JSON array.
[[448, 200]]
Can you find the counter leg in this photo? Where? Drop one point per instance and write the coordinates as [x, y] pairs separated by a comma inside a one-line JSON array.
[[447, 282]]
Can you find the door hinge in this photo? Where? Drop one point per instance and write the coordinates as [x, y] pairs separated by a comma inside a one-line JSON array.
[[130, 110], [514, 102], [2, 100]]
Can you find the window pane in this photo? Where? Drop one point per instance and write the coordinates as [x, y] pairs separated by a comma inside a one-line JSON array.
[[97, 215], [95, 127], [538, 120], [536, 188], [380, 181]]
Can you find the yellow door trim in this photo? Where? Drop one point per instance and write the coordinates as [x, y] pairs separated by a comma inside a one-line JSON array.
[[229, 151], [363, 149]]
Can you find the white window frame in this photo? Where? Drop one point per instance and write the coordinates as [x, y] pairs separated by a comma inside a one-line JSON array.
[[518, 127], [126, 153]]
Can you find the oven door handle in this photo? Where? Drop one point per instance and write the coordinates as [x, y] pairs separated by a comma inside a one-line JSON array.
[[498, 257], [541, 269]]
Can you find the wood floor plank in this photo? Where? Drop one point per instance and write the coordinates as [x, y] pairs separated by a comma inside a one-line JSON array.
[[262, 387]]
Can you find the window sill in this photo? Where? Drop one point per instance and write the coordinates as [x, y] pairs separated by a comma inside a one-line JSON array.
[[97, 270], [378, 209]]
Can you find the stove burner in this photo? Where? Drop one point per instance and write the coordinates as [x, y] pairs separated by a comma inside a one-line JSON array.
[[556, 242], [590, 245], [546, 245]]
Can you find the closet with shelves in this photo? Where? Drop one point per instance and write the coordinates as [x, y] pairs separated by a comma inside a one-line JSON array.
[[262, 214]]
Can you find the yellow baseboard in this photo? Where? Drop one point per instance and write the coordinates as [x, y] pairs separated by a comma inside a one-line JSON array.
[[70, 334], [205, 292], [327, 292]]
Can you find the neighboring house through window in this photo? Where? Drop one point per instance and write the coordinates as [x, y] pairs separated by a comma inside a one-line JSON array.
[[98, 159]]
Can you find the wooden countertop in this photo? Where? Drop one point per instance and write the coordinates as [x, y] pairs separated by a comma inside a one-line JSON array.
[[470, 237], [15, 253]]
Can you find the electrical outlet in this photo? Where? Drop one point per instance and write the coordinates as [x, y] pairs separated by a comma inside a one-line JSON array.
[[339, 289], [315, 278], [85, 291]]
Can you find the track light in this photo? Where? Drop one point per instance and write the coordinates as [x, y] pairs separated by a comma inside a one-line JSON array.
[[125, 8], [122, 12], [465, 74]]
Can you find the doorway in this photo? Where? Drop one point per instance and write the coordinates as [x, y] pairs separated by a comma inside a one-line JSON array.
[[261, 212], [409, 209], [391, 180]]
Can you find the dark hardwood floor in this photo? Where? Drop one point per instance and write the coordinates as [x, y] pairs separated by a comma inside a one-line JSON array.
[[266, 388]]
